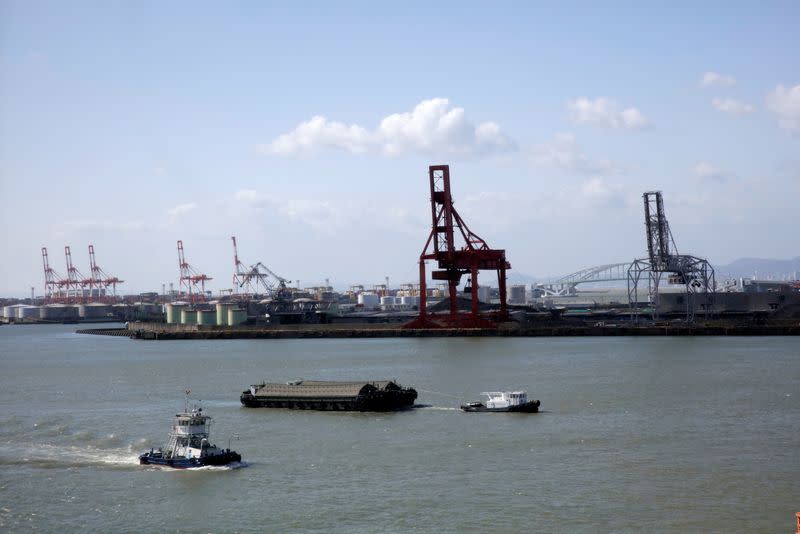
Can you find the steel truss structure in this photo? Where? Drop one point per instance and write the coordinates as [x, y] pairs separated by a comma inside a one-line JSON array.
[[694, 273], [453, 263], [191, 279], [256, 279], [566, 285], [75, 288]]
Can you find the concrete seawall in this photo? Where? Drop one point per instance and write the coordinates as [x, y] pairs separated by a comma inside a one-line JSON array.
[[156, 331]]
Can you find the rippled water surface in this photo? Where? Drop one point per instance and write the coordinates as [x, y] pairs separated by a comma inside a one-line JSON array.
[[637, 434]]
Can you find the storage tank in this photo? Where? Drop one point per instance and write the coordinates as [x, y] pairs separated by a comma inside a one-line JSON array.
[[93, 311], [28, 312], [222, 312], [206, 317], [10, 312], [52, 312], [370, 301], [484, 293], [174, 312], [516, 294], [236, 317], [387, 303], [409, 301], [188, 316]]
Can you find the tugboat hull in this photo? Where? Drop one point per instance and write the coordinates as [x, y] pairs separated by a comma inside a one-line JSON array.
[[528, 407], [156, 458]]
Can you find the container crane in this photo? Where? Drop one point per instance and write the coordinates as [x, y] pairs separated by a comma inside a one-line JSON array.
[[191, 279], [101, 280], [53, 282]]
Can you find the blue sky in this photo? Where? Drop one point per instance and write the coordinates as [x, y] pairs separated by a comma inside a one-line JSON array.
[[130, 125]]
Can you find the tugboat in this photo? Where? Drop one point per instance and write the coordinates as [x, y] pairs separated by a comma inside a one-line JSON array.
[[188, 446], [503, 401]]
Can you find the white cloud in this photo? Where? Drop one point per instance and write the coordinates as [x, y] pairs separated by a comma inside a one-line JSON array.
[[433, 126], [785, 103], [181, 209], [563, 152], [714, 79], [731, 106], [706, 171], [599, 192], [606, 112]]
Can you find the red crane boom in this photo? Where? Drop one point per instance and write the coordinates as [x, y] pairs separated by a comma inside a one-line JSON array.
[[475, 255]]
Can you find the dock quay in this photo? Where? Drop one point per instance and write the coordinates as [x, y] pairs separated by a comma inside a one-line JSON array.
[[160, 331]]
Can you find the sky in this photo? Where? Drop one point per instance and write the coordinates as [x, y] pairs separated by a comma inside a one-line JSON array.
[[306, 130]]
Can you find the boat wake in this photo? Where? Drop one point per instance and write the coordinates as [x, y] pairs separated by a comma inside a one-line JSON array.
[[439, 408], [59, 457], [229, 467]]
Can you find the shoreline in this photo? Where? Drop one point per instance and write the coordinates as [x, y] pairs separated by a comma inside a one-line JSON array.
[[153, 332]]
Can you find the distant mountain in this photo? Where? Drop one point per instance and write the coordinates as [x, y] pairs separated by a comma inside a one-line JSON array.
[[760, 268]]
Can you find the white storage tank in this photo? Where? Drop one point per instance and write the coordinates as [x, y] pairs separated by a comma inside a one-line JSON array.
[[484, 293], [93, 311], [387, 303], [174, 312], [222, 312], [370, 301], [236, 317], [10, 312]]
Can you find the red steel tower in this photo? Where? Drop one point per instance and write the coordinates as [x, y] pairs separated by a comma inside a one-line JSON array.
[[473, 256], [100, 280], [52, 280], [191, 278]]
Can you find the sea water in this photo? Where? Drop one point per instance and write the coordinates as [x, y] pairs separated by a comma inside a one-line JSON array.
[[636, 434]]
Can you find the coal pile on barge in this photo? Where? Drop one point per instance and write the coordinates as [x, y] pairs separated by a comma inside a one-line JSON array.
[[376, 396]]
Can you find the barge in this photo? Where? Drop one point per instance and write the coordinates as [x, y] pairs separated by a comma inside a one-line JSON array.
[[377, 396]]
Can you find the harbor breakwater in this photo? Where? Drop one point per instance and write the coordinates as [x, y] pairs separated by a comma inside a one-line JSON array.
[[157, 331]]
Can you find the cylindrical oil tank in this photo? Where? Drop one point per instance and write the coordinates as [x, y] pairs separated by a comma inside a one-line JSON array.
[[10, 312], [387, 301], [188, 316], [516, 293], [52, 312], [206, 317], [93, 311], [174, 312], [236, 317], [28, 312], [368, 300], [484, 293], [222, 312], [409, 301]]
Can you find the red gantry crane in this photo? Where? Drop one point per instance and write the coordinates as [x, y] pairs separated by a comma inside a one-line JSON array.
[[75, 282], [102, 281], [190, 278], [53, 282], [473, 256]]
